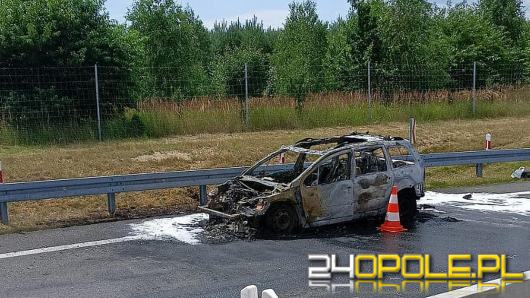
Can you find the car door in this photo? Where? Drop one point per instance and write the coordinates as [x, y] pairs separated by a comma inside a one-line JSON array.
[[327, 190], [373, 180]]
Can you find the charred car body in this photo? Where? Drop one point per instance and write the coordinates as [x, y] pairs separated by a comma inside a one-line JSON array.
[[317, 182]]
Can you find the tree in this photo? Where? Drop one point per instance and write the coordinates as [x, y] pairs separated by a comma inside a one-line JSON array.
[[509, 19], [416, 56], [508, 15], [298, 56], [247, 34], [73, 36], [52, 33], [176, 46], [475, 39], [341, 72], [402, 41], [365, 38], [234, 46]]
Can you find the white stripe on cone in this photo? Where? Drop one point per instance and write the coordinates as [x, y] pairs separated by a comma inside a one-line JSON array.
[[392, 216], [392, 222]]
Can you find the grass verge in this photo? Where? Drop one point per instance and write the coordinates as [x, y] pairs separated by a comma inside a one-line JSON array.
[[26, 163]]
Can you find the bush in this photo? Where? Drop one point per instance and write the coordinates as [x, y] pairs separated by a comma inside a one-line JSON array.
[[136, 126]]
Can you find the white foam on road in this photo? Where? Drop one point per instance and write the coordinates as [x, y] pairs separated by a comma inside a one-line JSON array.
[[182, 228], [507, 202]]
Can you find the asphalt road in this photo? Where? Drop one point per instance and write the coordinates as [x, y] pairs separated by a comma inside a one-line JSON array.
[[142, 268]]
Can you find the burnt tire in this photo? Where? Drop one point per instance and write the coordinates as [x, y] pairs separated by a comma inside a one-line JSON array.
[[408, 207], [281, 219]]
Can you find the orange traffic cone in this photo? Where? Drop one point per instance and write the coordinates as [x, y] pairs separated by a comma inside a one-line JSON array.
[[392, 223]]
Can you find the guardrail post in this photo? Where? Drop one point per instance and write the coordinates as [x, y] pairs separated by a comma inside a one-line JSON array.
[[4, 214], [478, 170], [111, 203], [203, 196], [412, 130]]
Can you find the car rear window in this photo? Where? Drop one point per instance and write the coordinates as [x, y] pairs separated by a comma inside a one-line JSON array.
[[400, 156]]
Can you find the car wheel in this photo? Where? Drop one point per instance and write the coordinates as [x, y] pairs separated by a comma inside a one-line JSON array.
[[407, 206], [281, 219]]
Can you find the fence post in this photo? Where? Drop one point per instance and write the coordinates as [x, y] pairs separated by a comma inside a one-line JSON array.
[[97, 100], [369, 92], [111, 203], [474, 87], [247, 116], [4, 214]]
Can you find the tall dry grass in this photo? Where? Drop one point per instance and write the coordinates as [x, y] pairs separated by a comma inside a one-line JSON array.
[[163, 117], [159, 117]]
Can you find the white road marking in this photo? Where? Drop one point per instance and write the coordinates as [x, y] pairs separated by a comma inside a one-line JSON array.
[[67, 247], [181, 228], [474, 289]]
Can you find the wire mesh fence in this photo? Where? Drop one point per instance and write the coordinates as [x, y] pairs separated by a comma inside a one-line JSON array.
[[61, 105]]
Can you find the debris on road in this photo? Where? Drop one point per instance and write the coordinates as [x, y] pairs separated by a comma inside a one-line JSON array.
[[521, 173], [222, 230]]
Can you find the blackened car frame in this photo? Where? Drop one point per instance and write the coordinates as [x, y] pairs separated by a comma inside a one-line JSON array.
[[324, 181]]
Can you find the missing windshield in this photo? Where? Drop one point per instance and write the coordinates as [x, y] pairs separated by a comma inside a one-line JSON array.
[[283, 166]]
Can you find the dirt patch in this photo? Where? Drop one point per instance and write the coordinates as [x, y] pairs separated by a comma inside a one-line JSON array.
[[160, 156]]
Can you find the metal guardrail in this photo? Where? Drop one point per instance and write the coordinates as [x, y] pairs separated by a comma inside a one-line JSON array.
[[110, 185], [475, 157]]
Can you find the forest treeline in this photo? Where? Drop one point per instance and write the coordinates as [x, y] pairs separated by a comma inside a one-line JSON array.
[[164, 49]]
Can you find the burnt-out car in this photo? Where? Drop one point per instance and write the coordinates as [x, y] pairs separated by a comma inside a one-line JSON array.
[[318, 182]]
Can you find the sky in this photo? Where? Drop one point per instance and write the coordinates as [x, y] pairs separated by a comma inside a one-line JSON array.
[[271, 12]]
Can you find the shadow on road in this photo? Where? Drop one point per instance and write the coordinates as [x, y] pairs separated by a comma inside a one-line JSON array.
[[358, 228]]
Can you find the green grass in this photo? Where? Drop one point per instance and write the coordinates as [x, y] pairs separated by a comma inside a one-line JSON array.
[[153, 124], [462, 176], [159, 124], [48, 134]]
